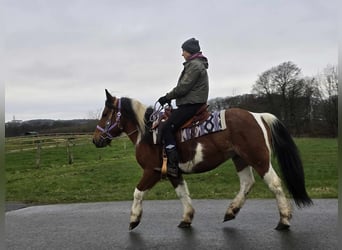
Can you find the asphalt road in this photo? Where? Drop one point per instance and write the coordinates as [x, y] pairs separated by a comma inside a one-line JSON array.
[[105, 226]]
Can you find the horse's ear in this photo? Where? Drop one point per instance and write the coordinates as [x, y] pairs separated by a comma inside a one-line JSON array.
[[108, 95], [110, 100]]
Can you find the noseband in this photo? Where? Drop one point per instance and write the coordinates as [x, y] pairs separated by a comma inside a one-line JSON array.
[[109, 126]]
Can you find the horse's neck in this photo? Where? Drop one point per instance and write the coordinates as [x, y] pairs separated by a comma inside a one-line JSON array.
[[135, 127], [133, 133]]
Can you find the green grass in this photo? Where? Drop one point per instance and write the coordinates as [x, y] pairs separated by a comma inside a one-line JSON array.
[[111, 174]]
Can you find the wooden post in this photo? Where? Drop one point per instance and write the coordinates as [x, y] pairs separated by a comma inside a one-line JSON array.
[[69, 152], [39, 147]]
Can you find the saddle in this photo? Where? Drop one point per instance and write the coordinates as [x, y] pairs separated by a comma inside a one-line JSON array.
[[201, 116]]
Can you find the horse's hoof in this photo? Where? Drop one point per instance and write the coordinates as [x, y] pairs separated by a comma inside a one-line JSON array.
[[228, 217], [282, 227], [184, 224], [133, 225]]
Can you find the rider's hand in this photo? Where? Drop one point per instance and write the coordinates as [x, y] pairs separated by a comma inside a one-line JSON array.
[[162, 100]]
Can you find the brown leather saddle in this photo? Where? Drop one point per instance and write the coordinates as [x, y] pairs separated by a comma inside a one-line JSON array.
[[201, 116]]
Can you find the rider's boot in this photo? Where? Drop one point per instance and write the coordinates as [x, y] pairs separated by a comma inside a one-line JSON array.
[[172, 162]]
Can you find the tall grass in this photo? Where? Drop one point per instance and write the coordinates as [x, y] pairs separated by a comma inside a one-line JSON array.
[[111, 174]]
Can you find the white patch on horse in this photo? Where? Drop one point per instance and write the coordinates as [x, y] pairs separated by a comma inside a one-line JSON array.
[[183, 194], [246, 182], [188, 166], [257, 117], [136, 210], [274, 183], [139, 110]]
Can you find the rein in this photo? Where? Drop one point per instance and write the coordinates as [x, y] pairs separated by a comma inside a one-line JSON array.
[[157, 112]]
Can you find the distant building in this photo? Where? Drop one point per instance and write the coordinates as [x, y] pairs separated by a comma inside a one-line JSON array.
[[15, 120]]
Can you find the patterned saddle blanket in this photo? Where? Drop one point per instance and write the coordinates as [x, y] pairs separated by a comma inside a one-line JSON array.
[[214, 123]]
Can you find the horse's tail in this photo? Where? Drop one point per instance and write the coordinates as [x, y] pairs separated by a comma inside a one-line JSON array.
[[289, 160]]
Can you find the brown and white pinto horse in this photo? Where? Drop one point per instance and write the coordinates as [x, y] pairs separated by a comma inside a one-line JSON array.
[[249, 139]]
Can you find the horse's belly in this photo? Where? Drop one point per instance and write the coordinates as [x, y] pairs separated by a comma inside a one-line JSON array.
[[200, 163], [188, 166]]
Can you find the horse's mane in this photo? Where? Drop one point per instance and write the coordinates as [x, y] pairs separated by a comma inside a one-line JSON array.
[[136, 112], [147, 136]]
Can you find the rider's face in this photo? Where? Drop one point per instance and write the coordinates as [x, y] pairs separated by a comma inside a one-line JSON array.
[[186, 55]]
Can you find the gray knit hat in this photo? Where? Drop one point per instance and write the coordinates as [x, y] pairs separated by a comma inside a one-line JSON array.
[[191, 45]]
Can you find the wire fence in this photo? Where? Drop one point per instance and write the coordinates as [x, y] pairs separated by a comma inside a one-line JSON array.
[[37, 142], [66, 141], [31, 142]]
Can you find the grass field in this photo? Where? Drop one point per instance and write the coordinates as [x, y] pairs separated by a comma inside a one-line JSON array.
[[111, 174]]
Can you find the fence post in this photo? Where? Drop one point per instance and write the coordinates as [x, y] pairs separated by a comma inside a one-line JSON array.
[[69, 152], [39, 147]]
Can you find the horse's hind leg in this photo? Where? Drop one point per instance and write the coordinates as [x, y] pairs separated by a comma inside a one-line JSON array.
[[274, 184], [246, 182], [183, 194]]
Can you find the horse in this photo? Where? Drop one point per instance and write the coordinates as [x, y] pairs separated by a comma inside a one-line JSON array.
[[249, 139]]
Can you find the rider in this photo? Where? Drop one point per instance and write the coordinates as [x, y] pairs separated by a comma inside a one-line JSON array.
[[191, 93]]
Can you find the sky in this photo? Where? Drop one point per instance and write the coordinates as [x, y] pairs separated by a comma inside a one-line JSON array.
[[61, 55]]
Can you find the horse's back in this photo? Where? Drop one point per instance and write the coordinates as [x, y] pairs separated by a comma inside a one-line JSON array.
[[238, 116], [248, 130], [241, 119]]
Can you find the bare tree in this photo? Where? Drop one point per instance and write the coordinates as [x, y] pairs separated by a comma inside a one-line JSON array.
[[264, 85], [329, 82], [95, 115], [288, 85], [329, 89], [282, 81]]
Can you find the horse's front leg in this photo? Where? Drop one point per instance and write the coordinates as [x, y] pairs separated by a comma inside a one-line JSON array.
[[183, 194], [149, 179], [136, 211]]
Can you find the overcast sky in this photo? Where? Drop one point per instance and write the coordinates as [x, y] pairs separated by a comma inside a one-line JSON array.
[[61, 55]]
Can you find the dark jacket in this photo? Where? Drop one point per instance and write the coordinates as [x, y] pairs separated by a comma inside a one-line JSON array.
[[193, 83]]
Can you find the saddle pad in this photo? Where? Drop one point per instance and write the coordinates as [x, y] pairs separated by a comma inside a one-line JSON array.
[[215, 122]]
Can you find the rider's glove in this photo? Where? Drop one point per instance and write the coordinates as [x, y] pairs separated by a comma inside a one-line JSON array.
[[162, 100]]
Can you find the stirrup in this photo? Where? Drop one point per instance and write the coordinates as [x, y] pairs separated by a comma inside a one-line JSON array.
[[163, 169], [173, 172]]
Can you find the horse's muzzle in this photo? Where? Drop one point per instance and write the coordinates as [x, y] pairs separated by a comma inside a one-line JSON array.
[[102, 142]]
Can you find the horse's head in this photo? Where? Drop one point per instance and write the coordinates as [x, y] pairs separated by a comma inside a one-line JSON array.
[[110, 124]]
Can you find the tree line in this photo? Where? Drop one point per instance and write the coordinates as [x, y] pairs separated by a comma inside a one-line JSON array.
[[45, 126], [306, 105]]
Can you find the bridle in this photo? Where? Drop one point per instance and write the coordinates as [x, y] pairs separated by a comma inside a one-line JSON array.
[[110, 126]]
